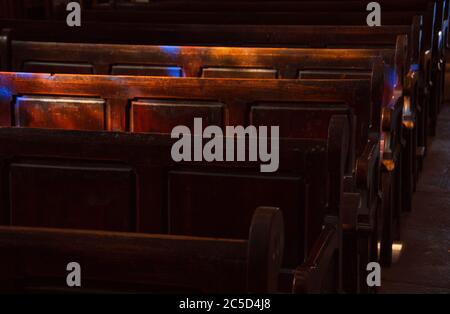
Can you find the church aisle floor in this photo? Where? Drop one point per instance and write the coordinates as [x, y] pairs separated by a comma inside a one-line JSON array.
[[424, 264]]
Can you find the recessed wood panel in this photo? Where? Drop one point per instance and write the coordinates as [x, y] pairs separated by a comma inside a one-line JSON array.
[[296, 122], [56, 195], [239, 73], [147, 70], [57, 67], [160, 116], [333, 74], [221, 205], [60, 113]]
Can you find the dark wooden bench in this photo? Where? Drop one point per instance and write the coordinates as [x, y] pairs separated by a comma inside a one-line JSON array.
[[344, 35], [25, 99], [221, 35], [440, 12], [224, 102], [230, 62], [438, 9], [303, 13], [32, 99], [270, 94], [441, 7], [35, 260], [434, 15], [250, 35], [196, 61], [109, 109], [433, 25], [400, 60], [430, 36], [130, 183], [211, 62], [307, 18]]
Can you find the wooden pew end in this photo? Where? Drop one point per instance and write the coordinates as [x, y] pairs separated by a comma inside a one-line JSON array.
[[265, 250]]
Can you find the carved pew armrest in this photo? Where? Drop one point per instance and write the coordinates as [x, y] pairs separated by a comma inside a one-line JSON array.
[[389, 153], [308, 278], [411, 85], [265, 250]]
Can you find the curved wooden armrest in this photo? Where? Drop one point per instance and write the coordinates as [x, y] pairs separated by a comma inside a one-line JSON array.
[[265, 250], [308, 278], [411, 84]]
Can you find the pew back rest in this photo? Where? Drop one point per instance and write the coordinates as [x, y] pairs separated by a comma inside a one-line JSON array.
[[130, 182], [228, 35], [138, 104], [192, 61]]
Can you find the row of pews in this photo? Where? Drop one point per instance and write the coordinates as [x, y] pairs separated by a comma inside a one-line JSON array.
[[86, 115]]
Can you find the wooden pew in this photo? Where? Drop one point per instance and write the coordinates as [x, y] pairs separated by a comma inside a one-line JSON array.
[[309, 38], [232, 62], [219, 62], [208, 62], [30, 113], [196, 61], [274, 6], [226, 35], [35, 260], [440, 13], [167, 207], [437, 82], [302, 15], [422, 5], [263, 18], [344, 39], [107, 108], [270, 94], [305, 18], [230, 35], [277, 6], [434, 25]]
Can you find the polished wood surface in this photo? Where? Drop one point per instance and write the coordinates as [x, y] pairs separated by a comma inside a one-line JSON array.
[[86, 116]]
